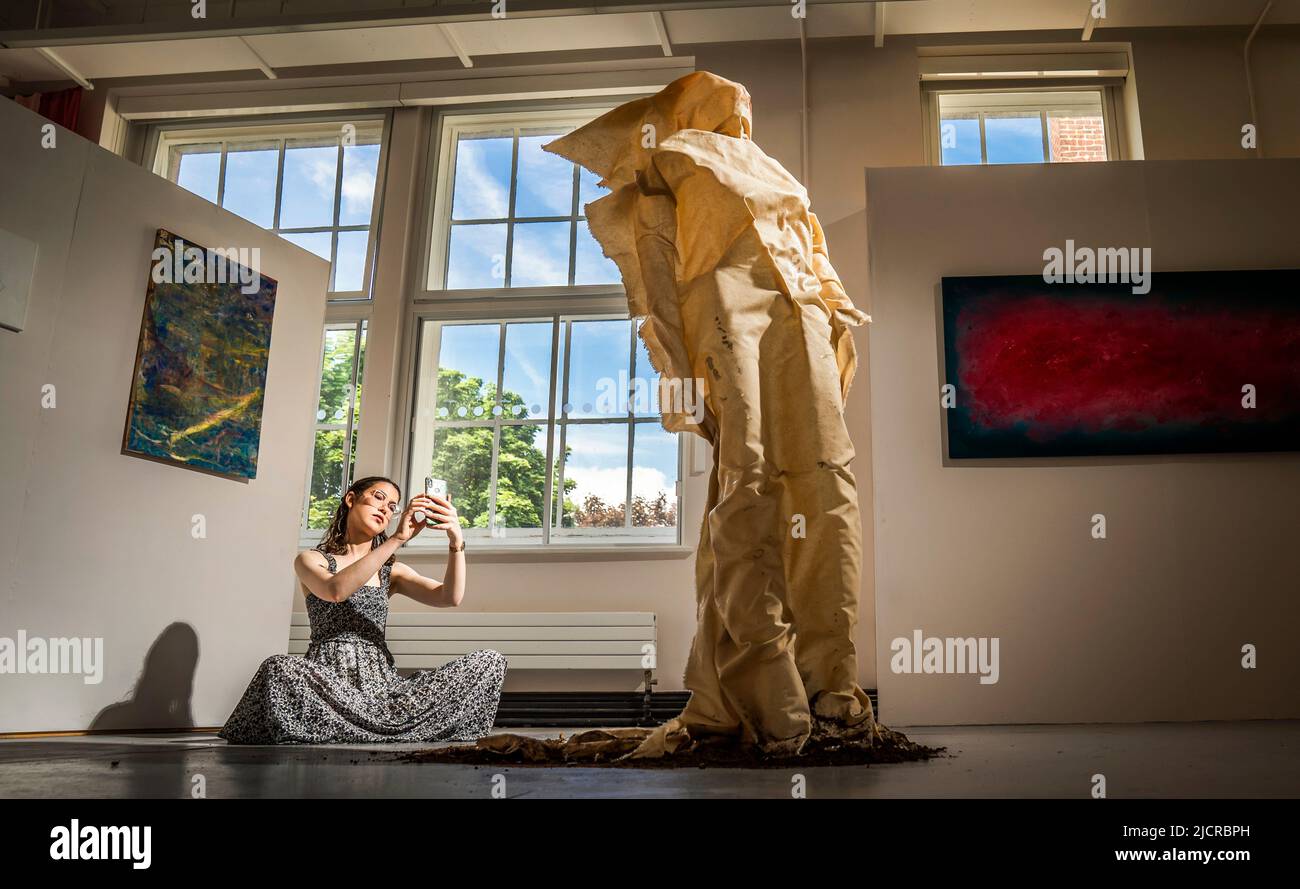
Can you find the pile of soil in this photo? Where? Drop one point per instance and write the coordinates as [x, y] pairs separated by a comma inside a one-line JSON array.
[[830, 744]]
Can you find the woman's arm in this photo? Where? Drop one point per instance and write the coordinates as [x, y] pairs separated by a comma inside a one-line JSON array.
[[406, 581], [451, 592], [312, 568]]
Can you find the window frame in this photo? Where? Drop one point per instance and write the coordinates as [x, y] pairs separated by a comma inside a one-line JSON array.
[[437, 224], [163, 137], [360, 322], [503, 305], [1108, 89], [536, 540]]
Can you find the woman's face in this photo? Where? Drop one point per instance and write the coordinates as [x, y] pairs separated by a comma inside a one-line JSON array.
[[374, 508]]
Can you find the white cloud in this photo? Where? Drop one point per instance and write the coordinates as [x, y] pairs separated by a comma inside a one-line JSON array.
[[482, 194], [537, 260], [610, 484]]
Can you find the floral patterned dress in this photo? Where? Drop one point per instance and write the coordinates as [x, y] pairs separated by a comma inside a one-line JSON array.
[[346, 688]]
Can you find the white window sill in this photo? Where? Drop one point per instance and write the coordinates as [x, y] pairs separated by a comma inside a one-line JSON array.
[[541, 553]]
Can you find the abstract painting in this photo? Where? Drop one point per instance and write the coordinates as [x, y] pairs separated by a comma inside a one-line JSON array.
[[1205, 362], [200, 367]]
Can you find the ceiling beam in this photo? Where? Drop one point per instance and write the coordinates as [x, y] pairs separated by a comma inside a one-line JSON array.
[[456, 46], [462, 11], [878, 31], [661, 27]]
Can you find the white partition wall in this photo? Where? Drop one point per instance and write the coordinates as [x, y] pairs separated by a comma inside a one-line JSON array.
[[1199, 558], [97, 544]]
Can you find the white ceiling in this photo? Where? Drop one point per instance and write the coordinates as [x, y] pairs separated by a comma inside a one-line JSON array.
[[580, 30]]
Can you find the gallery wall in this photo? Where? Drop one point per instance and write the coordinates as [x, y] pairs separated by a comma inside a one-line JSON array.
[[1149, 623], [94, 543], [865, 110]]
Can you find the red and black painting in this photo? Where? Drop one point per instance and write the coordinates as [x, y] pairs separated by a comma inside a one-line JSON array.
[[1205, 362]]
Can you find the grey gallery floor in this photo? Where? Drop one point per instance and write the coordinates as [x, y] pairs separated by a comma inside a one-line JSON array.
[[1179, 760]]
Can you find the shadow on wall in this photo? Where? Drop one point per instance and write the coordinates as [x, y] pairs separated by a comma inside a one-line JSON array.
[[162, 695]]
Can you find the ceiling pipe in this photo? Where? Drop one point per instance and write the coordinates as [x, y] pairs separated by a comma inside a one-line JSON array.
[[1089, 22], [1250, 86], [661, 28], [59, 62], [456, 46], [258, 60], [805, 169]]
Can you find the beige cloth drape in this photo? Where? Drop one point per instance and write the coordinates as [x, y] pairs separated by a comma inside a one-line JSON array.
[[721, 255]]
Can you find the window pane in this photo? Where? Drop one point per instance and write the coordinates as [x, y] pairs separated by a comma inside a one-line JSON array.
[[336, 376], [199, 170], [482, 189], [526, 379], [545, 186], [463, 457], [541, 254], [1075, 137], [326, 478], [251, 172], [476, 256], [316, 242], [521, 476], [350, 264], [959, 139], [654, 476], [308, 195], [467, 371], [360, 169], [589, 190], [599, 352], [591, 266], [645, 382], [595, 464], [1013, 137]]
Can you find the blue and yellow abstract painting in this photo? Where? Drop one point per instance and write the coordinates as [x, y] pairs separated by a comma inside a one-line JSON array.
[[200, 367]]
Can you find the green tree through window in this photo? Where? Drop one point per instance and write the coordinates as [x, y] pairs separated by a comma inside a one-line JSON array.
[[335, 429], [463, 457]]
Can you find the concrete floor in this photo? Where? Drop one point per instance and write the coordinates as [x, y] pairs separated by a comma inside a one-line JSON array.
[[1208, 759]]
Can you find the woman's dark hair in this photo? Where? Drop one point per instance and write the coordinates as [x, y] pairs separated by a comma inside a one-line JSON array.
[[336, 535]]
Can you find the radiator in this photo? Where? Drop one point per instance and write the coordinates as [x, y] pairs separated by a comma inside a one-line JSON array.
[[530, 640]]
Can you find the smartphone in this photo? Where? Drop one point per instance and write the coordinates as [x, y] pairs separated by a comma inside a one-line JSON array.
[[433, 487]]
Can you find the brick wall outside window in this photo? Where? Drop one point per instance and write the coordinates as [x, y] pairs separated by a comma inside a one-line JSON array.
[[1076, 138]]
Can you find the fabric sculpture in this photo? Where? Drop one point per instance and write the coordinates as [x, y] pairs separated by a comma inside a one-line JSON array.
[[727, 265]]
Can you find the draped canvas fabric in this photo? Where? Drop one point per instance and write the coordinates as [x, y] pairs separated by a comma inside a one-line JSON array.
[[721, 256]]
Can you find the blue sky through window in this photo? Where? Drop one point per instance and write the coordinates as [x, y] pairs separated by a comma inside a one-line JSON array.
[[1014, 139], [959, 140], [306, 191], [540, 247]]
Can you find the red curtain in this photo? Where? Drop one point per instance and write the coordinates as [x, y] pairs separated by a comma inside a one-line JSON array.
[[62, 107]]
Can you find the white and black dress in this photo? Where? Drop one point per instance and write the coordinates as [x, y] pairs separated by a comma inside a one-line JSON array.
[[346, 688]]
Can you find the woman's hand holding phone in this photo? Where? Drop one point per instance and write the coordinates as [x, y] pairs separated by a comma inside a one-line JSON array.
[[407, 526]]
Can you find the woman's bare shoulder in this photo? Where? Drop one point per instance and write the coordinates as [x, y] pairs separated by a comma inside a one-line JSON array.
[[312, 557]]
